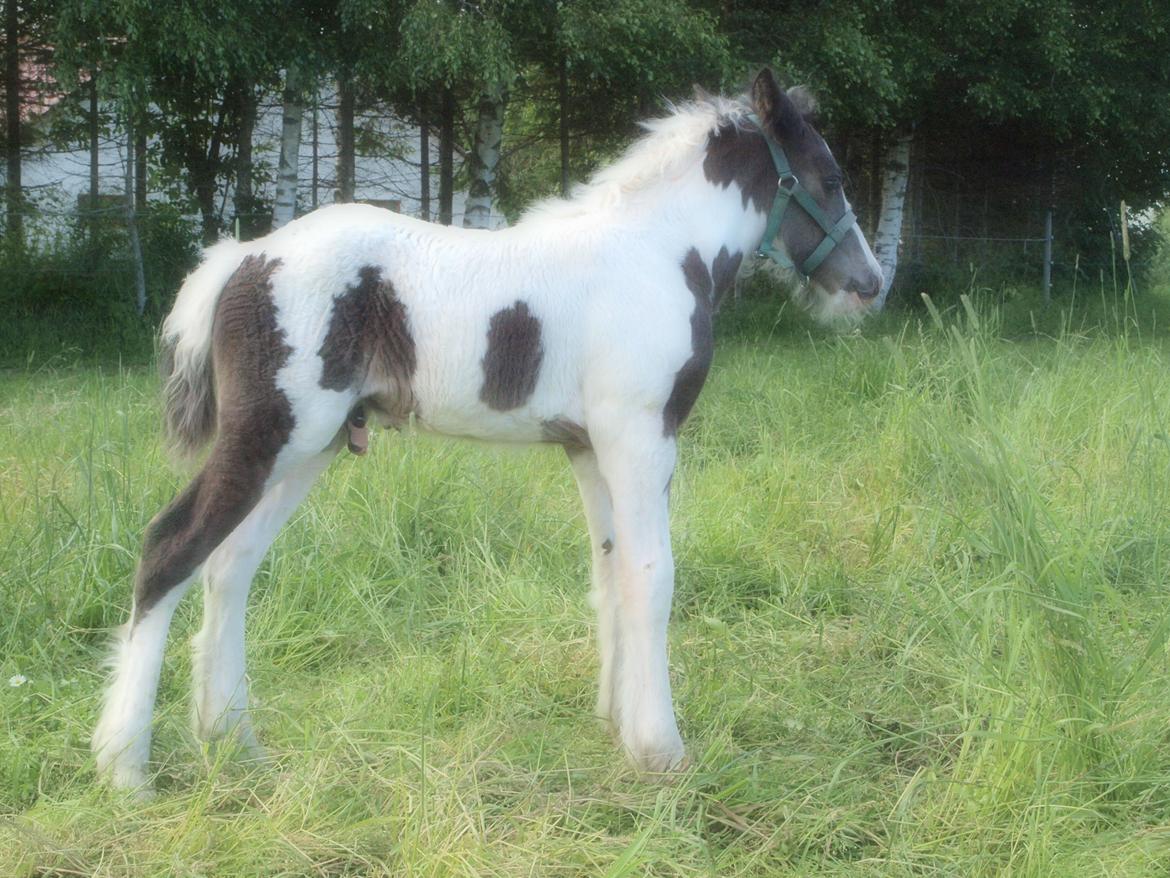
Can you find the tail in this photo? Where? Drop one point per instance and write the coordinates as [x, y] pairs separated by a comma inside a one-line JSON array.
[[185, 355]]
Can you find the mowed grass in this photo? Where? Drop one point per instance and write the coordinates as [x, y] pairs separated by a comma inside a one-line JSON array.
[[920, 628]]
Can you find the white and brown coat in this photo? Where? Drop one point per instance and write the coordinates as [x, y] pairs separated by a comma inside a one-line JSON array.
[[588, 324]]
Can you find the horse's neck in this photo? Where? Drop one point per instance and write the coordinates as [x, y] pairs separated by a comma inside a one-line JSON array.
[[693, 212]]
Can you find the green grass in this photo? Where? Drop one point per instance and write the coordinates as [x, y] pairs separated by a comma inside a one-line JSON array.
[[920, 628]]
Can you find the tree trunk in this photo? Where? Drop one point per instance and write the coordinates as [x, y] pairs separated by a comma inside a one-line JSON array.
[[245, 193], [345, 148], [485, 158], [446, 157], [94, 147], [139, 171], [132, 227], [14, 196], [563, 106], [203, 166], [424, 164], [876, 153], [284, 209], [895, 174], [315, 184]]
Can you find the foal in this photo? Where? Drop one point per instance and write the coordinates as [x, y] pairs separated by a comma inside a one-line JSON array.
[[587, 324]]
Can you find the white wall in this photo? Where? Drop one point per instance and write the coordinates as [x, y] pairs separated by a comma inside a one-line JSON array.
[[54, 179]]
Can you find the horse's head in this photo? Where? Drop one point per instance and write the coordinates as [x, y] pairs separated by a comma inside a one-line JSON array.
[[786, 169]]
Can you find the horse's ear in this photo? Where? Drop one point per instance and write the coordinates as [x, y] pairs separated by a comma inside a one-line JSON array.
[[775, 108], [702, 96]]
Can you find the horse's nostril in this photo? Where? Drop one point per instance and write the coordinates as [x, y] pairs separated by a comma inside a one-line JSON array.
[[866, 291]]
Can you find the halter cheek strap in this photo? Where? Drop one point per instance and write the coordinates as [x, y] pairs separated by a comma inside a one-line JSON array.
[[789, 190]]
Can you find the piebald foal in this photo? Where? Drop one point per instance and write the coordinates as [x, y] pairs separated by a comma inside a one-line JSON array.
[[587, 324]]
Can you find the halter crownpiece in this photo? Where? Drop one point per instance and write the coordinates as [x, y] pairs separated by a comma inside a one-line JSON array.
[[788, 188]]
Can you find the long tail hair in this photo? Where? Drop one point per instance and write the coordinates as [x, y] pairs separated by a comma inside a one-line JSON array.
[[185, 351]]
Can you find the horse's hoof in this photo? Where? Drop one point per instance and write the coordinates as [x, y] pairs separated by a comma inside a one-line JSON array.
[[665, 758], [131, 780]]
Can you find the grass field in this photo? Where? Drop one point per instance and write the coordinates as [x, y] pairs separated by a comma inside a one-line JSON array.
[[920, 628]]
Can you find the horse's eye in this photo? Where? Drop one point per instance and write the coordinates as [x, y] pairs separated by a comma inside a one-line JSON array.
[[831, 184]]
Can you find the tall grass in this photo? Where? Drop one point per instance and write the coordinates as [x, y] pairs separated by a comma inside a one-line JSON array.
[[920, 627]]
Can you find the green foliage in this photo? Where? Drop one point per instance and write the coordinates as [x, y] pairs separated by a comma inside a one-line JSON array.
[[72, 296], [620, 59], [451, 42], [659, 46], [1158, 273]]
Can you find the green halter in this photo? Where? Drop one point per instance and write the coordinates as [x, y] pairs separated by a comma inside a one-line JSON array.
[[834, 231]]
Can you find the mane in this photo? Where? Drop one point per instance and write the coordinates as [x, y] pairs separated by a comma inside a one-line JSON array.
[[671, 144]]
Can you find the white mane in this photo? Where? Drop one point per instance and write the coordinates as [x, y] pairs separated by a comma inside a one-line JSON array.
[[671, 145]]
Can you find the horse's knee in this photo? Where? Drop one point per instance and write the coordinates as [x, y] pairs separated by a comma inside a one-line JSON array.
[[644, 572]]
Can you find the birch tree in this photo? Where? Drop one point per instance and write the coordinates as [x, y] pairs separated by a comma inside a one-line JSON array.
[[888, 237], [459, 51], [484, 159], [292, 118]]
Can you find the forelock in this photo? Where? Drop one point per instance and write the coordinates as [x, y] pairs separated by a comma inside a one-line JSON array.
[[805, 101]]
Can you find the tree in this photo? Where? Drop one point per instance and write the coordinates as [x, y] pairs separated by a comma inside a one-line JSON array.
[[459, 48], [25, 45], [285, 205], [1058, 85], [887, 237], [346, 159], [248, 99], [592, 70], [310, 48], [14, 195], [179, 69]]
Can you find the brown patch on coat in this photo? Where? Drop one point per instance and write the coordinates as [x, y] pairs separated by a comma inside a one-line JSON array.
[[368, 346], [738, 155], [512, 362], [255, 422], [723, 272], [562, 431], [688, 381], [697, 275]]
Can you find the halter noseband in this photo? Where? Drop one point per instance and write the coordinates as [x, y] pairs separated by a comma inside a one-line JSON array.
[[834, 231]]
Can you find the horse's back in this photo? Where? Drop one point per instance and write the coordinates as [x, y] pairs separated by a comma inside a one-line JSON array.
[[493, 335], [474, 332]]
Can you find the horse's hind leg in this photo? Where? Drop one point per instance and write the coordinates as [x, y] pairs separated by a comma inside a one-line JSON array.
[[177, 542], [220, 698]]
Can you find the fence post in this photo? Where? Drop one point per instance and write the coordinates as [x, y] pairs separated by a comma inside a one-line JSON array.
[[1048, 257]]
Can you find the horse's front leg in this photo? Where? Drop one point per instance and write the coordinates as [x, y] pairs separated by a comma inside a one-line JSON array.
[[637, 462], [599, 515]]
